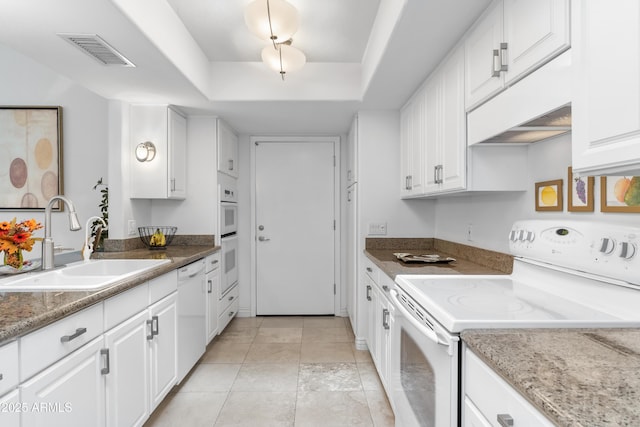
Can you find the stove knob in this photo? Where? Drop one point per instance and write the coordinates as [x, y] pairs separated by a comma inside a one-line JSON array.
[[512, 235], [608, 245], [531, 236], [628, 250], [521, 235]]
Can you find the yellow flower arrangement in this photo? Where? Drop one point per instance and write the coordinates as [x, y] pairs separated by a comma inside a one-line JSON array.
[[16, 237]]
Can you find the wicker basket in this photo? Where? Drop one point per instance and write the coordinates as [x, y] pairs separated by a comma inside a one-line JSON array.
[[147, 232]]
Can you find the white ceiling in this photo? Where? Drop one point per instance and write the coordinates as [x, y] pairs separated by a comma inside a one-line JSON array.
[[198, 54]]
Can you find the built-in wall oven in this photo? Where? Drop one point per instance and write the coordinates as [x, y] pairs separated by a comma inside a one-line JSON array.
[[228, 219], [566, 274]]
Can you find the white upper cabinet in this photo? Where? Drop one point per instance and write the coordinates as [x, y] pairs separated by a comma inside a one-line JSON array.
[[606, 92], [227, 150], [164, 175], [412, 127], [513, 38]]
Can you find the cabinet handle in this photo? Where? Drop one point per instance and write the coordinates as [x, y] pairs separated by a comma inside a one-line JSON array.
[[435, 174], [230, 164], [67, 338], [150, 325], [410, 186], [210, 288], [504, 66], [173, 184], [1, 377], [385, 318], [369, 269], [505, 420], [231, 298], [385, 288], [497, 66], [105, 352], [368, 292], [155, 321], [231, 313]]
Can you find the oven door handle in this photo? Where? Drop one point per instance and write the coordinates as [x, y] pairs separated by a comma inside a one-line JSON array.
[[424, 329]]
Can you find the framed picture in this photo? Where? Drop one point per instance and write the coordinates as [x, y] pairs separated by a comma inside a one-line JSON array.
[[620, 193], [30, 156], [580, 194], [549, 195]]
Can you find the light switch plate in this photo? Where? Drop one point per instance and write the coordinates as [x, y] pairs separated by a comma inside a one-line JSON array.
[[131, 225], [378, 229]]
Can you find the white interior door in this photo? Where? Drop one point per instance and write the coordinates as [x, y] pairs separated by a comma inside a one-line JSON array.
[[295, 227]]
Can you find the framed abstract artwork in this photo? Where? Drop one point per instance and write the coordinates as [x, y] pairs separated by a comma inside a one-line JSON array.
[[620, 194], [549, 195], [580, 193], [30, 156]]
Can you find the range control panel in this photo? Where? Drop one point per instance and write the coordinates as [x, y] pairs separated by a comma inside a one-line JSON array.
[[604, 249]]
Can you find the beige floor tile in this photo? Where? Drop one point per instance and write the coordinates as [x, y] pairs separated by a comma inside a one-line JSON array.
[[282, 322], [369, 377], [188, 409], [329, 377], [272, 377], [210, 377], [324, 322], [381, 411], [278, 335], [240, 335], [335, 409], [244, 322], [320, 352], [225, 352], [273, 353], [325, 335], [253, 409], [361, 356]]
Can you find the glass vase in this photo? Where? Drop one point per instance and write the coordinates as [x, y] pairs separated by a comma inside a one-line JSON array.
[[14, 260]]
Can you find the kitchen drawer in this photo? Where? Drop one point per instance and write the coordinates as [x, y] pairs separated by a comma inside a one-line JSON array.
[[472, 415], [162, 286], [119, 308], [385, 283], [491, 395], [212, 262], [8, 367], [371, 269], [226, 316], [43, 347], [228, 298]]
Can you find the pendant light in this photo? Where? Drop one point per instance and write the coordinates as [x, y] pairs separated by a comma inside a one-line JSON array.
[[274, 20], [283, 58]]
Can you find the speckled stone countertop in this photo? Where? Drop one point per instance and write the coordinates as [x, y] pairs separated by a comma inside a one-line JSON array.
[[23, 312], [576, 377], [469, 259]]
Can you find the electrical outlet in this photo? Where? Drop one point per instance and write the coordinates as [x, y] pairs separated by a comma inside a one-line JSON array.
[[378, 229], [469, 231], [133, 230]]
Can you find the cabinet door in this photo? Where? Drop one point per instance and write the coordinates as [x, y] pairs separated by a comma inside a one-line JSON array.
[[453, 148], [10, 408], [68, 393], [372, 311], [177, 132], [606, 104], [227, 150], [213, 283], [386, 326], [432, 133], [535, 31], [412, 146], [163, 348], [128, 379], [481, 47]]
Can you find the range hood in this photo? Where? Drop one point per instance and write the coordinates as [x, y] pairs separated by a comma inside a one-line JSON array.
[[533, 109]]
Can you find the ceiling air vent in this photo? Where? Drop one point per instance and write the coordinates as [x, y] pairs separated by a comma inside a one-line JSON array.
[[97, 48]]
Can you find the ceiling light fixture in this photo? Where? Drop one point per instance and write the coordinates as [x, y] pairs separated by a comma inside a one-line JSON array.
[[277, 21]]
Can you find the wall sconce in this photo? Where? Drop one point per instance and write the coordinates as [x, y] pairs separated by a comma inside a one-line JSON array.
[[145, 151]]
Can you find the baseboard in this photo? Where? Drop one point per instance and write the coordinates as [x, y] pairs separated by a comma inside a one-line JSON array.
[[361, 344]]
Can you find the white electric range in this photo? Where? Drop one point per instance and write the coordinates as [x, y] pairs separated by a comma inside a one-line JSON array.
[[566, 274]]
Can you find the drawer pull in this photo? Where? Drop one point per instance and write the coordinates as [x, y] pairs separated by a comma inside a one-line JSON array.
[[67, 338], [105, 352], [231, 313], [385, 318], [231, 298], [369, 269], [368, 292], [385, 288], [505, 420], [210, 288]]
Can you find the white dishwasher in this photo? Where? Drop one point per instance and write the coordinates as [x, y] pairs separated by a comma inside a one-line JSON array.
[[191, 316]]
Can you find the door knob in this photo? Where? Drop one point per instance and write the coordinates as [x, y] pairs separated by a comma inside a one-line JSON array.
[[263, 239]]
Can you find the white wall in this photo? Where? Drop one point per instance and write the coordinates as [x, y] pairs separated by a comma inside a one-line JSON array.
[[85, 144], [492, 215]]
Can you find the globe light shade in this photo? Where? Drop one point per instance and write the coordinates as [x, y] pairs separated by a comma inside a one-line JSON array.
[[285, 20], [292, 58]]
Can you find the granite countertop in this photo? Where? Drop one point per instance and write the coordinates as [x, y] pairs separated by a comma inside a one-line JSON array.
[[23, 312], [576, 377], [381, 250]]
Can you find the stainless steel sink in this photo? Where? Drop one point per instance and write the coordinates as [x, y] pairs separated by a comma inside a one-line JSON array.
[[81, 276]]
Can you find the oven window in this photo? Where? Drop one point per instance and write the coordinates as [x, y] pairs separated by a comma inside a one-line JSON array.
[[418, 381], [229, 260], [229, 217]]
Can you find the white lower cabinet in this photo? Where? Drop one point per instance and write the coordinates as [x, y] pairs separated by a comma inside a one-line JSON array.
[[212, 278], [9, 409], [228, 306], [163, 349], [71, 392], [488, 399]]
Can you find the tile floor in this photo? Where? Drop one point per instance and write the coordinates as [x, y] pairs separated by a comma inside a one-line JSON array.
[[280, 371]]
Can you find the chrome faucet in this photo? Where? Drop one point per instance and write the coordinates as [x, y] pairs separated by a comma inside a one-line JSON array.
[[47, 242]]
